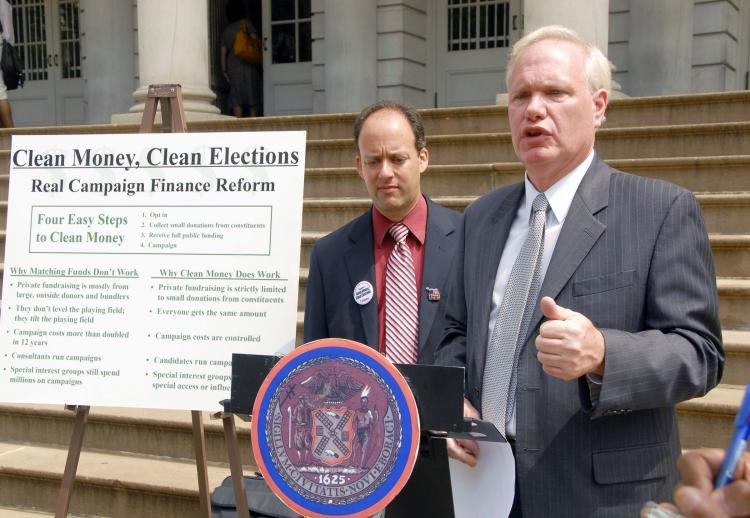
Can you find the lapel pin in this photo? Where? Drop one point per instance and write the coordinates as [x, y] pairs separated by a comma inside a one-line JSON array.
[[363, 293], [433, 294]]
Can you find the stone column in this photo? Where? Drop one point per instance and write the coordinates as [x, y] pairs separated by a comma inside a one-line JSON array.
[[660, 48], [350, 46], [589, 18], [109, 65], [173, 48]]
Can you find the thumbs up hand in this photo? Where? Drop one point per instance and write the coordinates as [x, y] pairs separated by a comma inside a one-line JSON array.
[[568, 345]]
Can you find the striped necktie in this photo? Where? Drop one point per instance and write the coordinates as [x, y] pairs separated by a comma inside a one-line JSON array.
[[401, 303]]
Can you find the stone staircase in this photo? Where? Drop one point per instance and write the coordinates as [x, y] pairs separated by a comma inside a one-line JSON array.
[[139, 463]]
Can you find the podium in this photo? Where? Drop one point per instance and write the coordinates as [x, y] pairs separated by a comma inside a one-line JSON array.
[[438, 392]]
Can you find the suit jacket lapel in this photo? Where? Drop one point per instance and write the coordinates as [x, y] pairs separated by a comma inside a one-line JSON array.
[[578, 234], [360, 264], [437, 263]]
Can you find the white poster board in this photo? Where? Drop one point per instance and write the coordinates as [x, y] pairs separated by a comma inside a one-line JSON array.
[[135, 265]]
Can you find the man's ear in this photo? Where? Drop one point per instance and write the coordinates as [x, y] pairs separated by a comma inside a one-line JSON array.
[[600, 100], [358, 165], [424, 159]]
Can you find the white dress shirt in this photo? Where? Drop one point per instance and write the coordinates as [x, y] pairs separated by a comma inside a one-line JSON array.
[[559, 196]]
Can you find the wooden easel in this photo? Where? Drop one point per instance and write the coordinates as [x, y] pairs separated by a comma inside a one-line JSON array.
[[235, 463], [173, 121]]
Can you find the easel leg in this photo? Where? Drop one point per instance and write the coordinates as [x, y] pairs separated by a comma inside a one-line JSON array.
[[235, 465], [199, 441], [71, 464], [149, 113], [173, 120], [179, 122], [166, 115]]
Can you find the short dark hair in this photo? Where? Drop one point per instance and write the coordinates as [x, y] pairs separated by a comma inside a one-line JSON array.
[[235, 10], [409, 113]]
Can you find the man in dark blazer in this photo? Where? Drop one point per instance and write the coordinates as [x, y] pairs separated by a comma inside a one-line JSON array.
[[625, 323], [344, 293], [346, 285]]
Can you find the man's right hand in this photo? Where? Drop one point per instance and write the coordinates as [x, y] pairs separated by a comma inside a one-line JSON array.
[[464, 450]]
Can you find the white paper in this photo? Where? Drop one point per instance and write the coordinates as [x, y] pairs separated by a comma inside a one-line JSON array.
[[487, 489], [135, 265]]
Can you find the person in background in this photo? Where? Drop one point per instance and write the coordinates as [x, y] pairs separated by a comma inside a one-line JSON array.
[[244, 78], [8, 34], [695, 496]]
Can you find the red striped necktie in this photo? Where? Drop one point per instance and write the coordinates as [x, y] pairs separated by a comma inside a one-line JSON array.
[[401, 303]]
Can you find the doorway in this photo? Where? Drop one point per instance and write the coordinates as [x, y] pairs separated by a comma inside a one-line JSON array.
[[473, 39], [287, 57], [217, 15], [48, 39]]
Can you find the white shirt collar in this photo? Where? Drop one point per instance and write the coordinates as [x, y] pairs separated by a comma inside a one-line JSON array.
[[560, 195]]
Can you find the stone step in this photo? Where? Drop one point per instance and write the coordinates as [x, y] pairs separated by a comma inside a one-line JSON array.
[[731, 257], [125, 485], [707, 422], [695, 173], [633, 111], [734, 303], [714, 139], [731, 252], [679, 109], [19, 512], [137, 431], [659, 141], [304, 274], [698, 174], [725, 212], [26, 512], [118, 486], [696, 141], [737, 349], [734, 300], [40, 474], [736, 342], [300, 323]]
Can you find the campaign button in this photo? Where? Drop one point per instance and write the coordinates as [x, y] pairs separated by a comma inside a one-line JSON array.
[[363, 292]]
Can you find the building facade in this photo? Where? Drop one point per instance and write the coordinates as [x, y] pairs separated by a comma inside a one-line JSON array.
[[90, 61]]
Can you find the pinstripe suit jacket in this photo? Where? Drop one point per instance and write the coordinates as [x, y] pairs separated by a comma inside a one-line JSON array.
[[633, 256], [346, 256]]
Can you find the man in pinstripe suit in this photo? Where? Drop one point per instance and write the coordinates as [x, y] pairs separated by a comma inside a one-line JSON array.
[[625, 324]]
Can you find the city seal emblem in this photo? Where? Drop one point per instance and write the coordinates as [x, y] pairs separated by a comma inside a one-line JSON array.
[[335, 430]]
